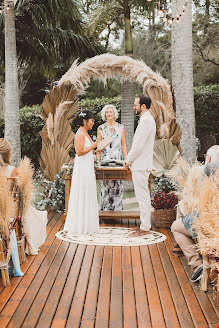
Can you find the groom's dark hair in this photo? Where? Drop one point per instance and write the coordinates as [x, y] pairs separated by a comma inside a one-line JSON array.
[[84, 115], [144, 100]]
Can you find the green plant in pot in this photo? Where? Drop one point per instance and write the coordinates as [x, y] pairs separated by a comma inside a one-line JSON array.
[[164, 199]]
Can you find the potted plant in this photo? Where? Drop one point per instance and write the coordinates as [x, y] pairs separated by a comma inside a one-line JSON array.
[[164, 202]]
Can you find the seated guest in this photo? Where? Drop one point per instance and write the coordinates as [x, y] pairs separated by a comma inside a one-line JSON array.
[[182, 226], [35, 221], [111, 191]]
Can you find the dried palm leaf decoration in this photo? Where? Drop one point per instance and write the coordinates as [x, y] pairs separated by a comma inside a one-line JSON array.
[[25, 185], [58, 111], [108, 66], [165, 155], [62, 102]]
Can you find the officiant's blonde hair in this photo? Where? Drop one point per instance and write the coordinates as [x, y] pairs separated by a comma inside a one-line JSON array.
[[104, 109]]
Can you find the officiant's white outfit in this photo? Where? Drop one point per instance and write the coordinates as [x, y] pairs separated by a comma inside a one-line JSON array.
[[140, 160]]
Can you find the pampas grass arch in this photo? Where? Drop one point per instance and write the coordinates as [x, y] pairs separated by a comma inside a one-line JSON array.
[[105, 67]]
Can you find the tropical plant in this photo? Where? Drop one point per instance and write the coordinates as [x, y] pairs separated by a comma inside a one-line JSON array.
[[50, 194], [45, 32]]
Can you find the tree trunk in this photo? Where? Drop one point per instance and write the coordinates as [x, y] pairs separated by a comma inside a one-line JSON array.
[[182, 77], [128, 88], [12, 119], [127, 114]]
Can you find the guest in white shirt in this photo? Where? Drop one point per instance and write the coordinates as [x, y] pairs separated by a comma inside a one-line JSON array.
[[140, 160]]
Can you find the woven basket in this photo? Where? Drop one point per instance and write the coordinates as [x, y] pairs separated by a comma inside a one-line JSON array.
[[164, 218]]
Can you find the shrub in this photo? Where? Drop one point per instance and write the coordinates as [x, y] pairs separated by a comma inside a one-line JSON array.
[[206, 110]]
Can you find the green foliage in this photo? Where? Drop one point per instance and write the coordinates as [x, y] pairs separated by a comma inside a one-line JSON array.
[[163, 183], [31, 125], [206, 110], [52, 194]]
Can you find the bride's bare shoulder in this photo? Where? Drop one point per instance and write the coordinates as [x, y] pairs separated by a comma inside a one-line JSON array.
[[80, 135]]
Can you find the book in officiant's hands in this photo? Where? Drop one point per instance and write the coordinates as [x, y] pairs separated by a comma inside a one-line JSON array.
[[104, 143]]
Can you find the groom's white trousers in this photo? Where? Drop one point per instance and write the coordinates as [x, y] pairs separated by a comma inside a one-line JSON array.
[[140, 181]]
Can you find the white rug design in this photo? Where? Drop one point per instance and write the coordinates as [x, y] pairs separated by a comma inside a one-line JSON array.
[[110, 236]]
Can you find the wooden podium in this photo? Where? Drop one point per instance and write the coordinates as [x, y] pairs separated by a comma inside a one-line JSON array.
[[106, 173]]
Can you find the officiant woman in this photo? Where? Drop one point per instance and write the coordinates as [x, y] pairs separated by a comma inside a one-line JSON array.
[[111, 190]]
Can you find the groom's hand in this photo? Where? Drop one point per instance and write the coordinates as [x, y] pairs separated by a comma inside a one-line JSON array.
[[126, 166]]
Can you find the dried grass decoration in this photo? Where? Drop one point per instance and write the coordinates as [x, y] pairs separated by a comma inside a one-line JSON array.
[[7, 211], [25, 185], [207, 224]]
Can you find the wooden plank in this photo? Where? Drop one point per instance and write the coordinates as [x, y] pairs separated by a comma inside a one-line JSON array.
[[191, 300], [116, 308], [113, 173], [142, 307], [61, 314], [119, 215], [29, 268], [156, 312], [211, 296], [103, 306], [176, 292], [202, 297], [52, 302], [128, 290], [89, 313], [25, 304], [44, 290], [209, 308], [76, 309], [169, 311], [32, 279]]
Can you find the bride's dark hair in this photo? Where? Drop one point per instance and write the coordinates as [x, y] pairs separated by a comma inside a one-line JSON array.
[[84, 115]]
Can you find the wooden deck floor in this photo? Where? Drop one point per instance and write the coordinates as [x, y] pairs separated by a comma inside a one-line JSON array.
[[68, 285]]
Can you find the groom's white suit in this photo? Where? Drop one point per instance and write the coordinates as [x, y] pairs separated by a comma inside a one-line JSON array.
[[140, 160]]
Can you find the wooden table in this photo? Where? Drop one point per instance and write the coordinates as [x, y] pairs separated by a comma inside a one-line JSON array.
[[106, 173]]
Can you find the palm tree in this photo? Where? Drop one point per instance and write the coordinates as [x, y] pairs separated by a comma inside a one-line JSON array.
[[47, 33], [182, 77], [12, 120]]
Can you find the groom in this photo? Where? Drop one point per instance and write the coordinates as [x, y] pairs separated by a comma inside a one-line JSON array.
[[140, 159]]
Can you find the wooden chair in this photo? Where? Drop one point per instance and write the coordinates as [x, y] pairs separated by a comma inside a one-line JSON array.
[[4, 261], [18, 221]]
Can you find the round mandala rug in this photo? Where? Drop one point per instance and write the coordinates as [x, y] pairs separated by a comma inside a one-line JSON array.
[[110, 236]]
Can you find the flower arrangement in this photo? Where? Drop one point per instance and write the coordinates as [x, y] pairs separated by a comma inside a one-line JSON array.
[[163, 200]]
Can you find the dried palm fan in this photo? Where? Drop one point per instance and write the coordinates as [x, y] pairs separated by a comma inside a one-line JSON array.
[[57, 155], [58, 95], [25, 185], [59, 109], [165, 155]]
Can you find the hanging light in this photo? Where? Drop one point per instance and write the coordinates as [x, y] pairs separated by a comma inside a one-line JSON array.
[[165, 19], [8, 7]]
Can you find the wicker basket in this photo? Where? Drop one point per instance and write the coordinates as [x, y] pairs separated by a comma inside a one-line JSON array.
[[164, 218]]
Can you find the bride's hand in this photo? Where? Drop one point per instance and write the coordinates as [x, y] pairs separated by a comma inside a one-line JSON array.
[[95, 144]]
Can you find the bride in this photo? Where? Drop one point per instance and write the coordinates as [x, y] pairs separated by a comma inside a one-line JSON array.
[[82, 216]]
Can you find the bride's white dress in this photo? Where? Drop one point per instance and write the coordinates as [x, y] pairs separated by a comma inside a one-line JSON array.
[[83, 216]]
